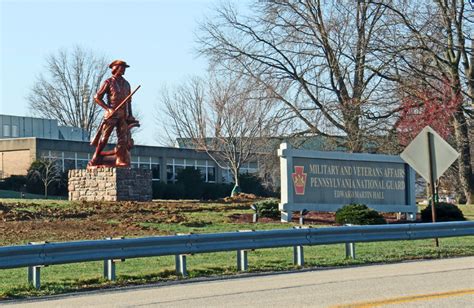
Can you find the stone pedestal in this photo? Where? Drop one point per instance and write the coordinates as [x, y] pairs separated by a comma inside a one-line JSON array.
[[110, 184]]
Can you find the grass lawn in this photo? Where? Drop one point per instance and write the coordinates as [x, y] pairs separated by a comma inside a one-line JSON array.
[[468, 211], [11, 194], [158, 217]]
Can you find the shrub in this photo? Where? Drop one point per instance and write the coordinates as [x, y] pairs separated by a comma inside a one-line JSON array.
[[158, 189], [34, 186], [267, 208], [60, 188], [192, 181], [213, 191], [444, 212], [208, 191], [167, 191], [14, 182], [358, 214], [252, 184], [174, 191]]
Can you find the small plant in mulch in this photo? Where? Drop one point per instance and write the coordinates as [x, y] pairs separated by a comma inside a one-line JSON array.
[[444, 212], [358, 214], [267, 208]]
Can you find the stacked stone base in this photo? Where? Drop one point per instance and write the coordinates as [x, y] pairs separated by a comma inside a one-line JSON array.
[[110, 184]]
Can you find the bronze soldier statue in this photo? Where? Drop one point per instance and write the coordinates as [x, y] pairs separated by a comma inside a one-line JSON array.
[[118, 115]]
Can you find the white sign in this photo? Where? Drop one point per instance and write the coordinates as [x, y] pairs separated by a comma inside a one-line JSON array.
[[417, 154]]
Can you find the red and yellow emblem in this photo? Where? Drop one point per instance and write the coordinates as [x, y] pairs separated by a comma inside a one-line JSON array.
[[299, 180]]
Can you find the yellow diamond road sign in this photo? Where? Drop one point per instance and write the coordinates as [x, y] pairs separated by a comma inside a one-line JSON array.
[[417, 154]]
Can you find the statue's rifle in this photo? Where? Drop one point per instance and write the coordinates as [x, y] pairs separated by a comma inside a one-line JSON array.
[[95, 141]]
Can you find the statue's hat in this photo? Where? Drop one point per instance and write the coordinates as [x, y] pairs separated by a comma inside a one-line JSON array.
[[118, 62]]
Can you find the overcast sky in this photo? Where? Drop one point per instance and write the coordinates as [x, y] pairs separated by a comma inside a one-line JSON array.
[[156, 37]]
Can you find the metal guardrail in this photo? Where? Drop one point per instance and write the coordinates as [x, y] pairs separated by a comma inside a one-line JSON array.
[[44, 254]]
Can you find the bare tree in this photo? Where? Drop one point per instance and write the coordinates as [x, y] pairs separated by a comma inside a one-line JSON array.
[[436, 50], [340, 67], [225, 117], [65, 91], [48, 171], [319, 59]]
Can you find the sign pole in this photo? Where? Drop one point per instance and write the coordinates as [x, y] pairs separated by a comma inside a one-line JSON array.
[[432, 162]]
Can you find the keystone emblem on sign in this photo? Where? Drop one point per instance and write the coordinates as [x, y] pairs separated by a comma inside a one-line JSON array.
[[299, 180]]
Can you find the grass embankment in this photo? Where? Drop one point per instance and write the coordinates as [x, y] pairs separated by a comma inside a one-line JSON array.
[[131, 219]]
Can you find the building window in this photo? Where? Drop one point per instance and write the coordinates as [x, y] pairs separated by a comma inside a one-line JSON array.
[[155, 172], [207, 170], [82, 163], [248, 169], [177, 170], [203, 171], [170, 173], [15, 131], [227, 176], [211, 174], [6, 130], [69, 164]]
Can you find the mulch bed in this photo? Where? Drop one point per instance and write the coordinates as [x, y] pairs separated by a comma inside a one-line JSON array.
[[97, 220]]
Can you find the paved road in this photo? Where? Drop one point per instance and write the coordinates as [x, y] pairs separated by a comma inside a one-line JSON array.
[[437, 283]]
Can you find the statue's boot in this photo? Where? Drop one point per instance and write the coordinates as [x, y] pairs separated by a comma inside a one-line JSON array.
[[94, 161], [121, 163], [122, 157]]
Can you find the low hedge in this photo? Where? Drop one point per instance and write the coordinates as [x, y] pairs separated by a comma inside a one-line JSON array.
[[444, 212], [208, 191], [358, 214]]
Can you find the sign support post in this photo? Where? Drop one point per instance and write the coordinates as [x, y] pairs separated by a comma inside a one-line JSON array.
[[439, 154], [432, 162]]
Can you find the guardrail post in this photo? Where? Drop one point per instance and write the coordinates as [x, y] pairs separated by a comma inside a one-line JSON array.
[[350, 250], [180, 261], [34, 276], [298, 255], [242, 258], [298, 251], [242, 261], [181, 265], [109, 265], [34, 272], [109, 270]]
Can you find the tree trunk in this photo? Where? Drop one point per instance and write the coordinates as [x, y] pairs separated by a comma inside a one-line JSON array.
[[236, 190], [45, 190], [354, 140], [461, 133]]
